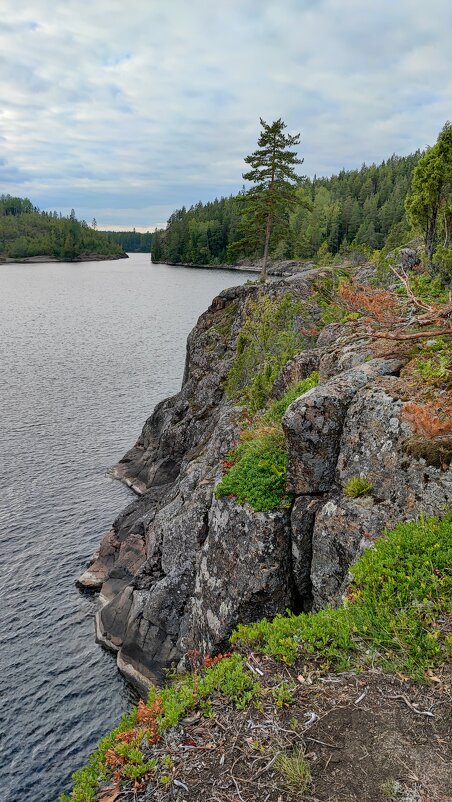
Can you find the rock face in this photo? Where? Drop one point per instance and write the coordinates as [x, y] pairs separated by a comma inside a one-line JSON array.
[[180, 568], [241, 571]]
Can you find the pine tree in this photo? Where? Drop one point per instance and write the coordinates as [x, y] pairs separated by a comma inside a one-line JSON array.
[[268, 202]]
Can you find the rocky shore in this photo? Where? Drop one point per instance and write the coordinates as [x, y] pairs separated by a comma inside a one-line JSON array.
[[180, 567], [282, 268]]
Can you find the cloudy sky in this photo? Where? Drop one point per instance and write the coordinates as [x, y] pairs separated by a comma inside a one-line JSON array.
[[128, 110]]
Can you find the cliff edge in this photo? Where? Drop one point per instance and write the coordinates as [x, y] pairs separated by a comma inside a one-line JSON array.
[[181, 566]]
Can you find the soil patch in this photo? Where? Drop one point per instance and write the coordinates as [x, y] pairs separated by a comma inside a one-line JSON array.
[[366, 737]]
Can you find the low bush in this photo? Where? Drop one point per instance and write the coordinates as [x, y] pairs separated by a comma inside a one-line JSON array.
[[433, 362], [257, 467], [395, 616], [124, 754], [427, 288]]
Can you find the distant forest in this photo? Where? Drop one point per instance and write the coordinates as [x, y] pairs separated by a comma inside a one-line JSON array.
[[132, 241], [363, 208], [26, 231]]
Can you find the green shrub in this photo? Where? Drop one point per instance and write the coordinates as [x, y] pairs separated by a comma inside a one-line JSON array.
[[434, 363], [357, 486], [283, 693], [443, 264], [268, 339], [398, 602], [258, 475], [259, 464], [427, 288]]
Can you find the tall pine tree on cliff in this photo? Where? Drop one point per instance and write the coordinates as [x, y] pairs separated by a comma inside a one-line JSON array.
[[268, 202]]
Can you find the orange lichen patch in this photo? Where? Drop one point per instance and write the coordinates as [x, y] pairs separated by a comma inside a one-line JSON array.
[[431, 419]]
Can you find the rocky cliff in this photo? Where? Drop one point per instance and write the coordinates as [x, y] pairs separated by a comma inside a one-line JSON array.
[[181, 567]]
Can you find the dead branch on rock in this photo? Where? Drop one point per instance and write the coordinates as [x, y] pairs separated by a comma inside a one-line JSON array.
[[389, 316]]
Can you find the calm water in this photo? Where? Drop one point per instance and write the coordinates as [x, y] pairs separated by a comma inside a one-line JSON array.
[[87, 351]]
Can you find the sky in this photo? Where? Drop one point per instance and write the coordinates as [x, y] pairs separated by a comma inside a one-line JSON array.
[[126, 111]]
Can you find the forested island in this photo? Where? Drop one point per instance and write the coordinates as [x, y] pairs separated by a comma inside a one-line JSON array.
[[27, 233], [363, 208]]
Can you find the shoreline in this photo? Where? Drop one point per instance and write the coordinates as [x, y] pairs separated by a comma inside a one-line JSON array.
[[46, 259], [283, 268]]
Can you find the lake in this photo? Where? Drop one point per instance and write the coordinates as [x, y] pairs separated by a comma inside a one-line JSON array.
[[88, 349]]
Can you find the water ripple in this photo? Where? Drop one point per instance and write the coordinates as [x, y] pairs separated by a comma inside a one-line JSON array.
[[87, 351]]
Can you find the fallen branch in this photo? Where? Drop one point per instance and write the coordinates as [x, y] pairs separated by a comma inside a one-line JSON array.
[[414, 335], [411, 706]]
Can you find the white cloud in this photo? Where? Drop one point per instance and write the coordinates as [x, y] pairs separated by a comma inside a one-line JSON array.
[[125, 111]]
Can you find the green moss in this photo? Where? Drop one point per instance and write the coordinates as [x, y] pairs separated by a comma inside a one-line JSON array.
[[357, 486], [399, 597]]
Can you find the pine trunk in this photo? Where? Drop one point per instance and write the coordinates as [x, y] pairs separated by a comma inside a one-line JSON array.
[[268, 230]]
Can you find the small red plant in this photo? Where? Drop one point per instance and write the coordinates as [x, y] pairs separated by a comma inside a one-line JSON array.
[[208, 662]]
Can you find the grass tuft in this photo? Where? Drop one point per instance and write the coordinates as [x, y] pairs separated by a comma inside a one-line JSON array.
[[357, 486], [295, 772]]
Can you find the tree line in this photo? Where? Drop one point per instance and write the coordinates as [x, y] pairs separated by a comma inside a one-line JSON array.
[[288, 216], [132, 241], [26, 231], [362, 207]]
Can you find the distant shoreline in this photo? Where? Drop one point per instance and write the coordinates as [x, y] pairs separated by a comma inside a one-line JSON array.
[[283, 268], [93, 257]]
